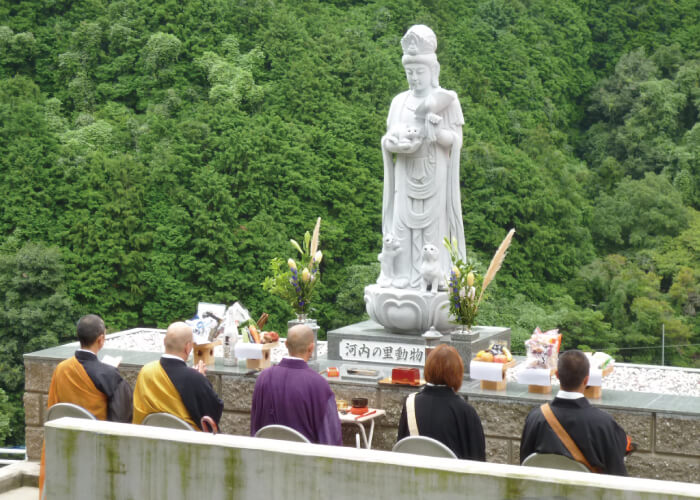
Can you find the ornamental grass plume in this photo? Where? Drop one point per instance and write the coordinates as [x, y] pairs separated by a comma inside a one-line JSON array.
[[464, 281], [496, 263]]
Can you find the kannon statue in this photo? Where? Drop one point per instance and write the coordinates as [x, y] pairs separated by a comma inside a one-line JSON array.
[[421, 200]]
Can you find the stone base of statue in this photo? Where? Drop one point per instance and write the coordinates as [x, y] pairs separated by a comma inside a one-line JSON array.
[[369, 342], [407, 311]]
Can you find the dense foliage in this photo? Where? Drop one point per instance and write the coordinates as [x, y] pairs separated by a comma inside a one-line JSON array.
[[162, 153]]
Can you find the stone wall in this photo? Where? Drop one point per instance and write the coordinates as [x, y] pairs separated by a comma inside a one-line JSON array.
[[132, 461], [668, 442]]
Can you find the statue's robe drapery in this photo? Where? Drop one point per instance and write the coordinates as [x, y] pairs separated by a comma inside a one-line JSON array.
[[601, 440], [421, 203], [169, 386], [294, 395]]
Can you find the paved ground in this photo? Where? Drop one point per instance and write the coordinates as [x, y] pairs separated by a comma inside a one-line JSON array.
[[23, 493]]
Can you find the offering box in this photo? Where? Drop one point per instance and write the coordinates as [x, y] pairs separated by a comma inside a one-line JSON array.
[[491, 375]]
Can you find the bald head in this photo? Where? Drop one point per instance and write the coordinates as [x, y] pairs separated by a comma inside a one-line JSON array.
[[176, 338], [300, 341]]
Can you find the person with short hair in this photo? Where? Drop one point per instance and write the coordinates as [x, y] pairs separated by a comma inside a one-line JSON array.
[[601, 440], [85, 381], [168, 385], [440, 412], [294, 395]]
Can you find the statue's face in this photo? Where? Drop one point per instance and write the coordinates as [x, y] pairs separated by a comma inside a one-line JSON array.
[[418, 76]]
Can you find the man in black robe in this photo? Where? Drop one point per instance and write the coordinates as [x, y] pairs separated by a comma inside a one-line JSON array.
[[601, 440]]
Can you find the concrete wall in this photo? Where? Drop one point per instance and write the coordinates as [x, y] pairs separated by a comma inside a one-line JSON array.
[[668, 442], [89, 459]]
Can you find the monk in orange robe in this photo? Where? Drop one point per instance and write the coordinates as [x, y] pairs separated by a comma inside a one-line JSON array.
[[85, 381]]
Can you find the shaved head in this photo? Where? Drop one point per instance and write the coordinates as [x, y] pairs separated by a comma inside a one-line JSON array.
[[299, 338], [176, 338]]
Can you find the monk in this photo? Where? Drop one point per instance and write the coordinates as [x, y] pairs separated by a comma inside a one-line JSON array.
[[85, 381], [294, 395], [168, 385], [600, 439]]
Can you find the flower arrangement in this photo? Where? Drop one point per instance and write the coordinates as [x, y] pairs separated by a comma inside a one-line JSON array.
[[466, 286], [291, 284]]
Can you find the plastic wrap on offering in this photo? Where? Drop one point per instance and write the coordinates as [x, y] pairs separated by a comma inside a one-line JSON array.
[[600, 360], [201, 327], [543, 349], [601, 365]]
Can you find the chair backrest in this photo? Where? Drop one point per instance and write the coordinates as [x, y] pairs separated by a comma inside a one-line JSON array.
[[423, 445], [281, 432], [553, 461], [68, 410], [166, 420]]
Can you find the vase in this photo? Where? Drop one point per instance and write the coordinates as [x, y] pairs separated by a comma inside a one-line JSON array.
[[303, 319], [466, 332]]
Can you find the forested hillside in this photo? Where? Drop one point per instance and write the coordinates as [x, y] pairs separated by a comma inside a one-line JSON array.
[[155, 154]]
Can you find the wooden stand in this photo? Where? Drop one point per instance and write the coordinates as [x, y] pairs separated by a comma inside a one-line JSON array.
[[539, 389], [500, 385], [264, 362], [542, 389], [205, 353], [596, 391], [490, 385]]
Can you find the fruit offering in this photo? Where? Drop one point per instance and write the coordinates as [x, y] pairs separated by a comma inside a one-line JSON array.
[[543, 349], [496, 353], [269, 337]]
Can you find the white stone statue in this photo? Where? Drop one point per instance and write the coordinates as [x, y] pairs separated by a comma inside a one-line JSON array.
[[421, 203]]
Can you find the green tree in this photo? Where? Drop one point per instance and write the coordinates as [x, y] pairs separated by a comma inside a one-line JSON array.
[[36, 313]]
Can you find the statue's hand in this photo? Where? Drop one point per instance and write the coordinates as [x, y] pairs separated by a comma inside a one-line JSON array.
[[433, 118], [408, 147], [391, 143]]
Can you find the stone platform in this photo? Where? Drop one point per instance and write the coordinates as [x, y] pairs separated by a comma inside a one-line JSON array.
[[369, 342]]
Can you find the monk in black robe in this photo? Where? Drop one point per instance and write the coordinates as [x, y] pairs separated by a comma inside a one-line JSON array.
[[601, 440], [168, 385]]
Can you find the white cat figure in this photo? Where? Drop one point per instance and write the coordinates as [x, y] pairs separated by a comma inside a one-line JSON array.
[[406, 135], [390, 248], [430, 268]]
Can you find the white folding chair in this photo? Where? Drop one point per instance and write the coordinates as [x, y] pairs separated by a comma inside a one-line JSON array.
[[281, 432], [166, 420], [68, 410], [423, 445], [553, 461]]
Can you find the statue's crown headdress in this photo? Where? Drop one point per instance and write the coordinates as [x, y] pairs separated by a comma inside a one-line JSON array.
[[419, 40]]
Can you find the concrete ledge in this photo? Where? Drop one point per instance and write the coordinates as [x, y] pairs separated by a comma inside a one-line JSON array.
[[121, 461], [17, 475]]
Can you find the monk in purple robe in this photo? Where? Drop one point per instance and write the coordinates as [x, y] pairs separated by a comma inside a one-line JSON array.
[[294, 395]]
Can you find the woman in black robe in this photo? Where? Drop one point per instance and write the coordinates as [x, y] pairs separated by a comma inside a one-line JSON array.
[[441, 413]]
